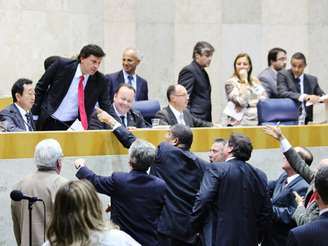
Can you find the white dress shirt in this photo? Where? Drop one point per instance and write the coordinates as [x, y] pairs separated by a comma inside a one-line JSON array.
[[133, 82], [178, 115], [23, 114]]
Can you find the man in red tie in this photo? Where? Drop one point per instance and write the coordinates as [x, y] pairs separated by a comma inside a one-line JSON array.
[[69, 90]]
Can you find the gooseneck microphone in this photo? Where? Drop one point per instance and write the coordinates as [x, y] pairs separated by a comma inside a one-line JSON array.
[[17, 195]]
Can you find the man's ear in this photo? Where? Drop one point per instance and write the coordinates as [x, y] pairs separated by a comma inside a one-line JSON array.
[[175, 141]]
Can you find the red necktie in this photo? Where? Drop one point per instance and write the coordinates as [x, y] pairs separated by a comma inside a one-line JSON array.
[[83, 114]]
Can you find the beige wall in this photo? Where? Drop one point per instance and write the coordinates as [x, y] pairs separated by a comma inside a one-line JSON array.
[[164, 31]]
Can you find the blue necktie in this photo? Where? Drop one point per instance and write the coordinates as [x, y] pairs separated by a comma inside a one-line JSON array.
[[130, 78]]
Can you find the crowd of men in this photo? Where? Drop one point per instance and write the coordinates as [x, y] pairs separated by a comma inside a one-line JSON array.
[[183, 199], [70, 89]]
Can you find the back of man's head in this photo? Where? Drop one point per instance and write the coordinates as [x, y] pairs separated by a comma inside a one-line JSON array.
[[183, 134], [305, 154], [241, 146], [141, 155], [321, 184], [47, 153]]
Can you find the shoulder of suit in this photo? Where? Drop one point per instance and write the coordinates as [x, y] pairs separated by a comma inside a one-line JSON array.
[[114, 76], [9, 109], [311, 77]]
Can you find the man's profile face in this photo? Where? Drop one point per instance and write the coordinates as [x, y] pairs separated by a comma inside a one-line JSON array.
[[216, 153], [130, 61], [123, 100], [90, 64], [180, 98], [26, 100], [281, 61], [297, 66], [203, 60]]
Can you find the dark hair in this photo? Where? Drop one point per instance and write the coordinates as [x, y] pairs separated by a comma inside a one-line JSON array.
[[201, 48], [91, 49], [124, 85], [18, 87], [220, 140], [249, 74], [49, 61], [170, 91], [272, 55], [321, 183], [241, 146], [306, 155], [183, 134], [299, 56]]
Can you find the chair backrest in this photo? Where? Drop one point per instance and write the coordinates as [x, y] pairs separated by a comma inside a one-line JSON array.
[[148, 108], [273, 110]]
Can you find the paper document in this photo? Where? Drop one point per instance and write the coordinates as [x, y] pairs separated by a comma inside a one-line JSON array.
[[230, 110], [76, 126]]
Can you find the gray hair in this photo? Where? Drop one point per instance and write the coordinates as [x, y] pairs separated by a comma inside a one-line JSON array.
[[141, 155], [201, 48], [47, 153], [136, 51]]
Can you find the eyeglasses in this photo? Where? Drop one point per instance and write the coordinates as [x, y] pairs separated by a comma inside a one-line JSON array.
[[181, 95]]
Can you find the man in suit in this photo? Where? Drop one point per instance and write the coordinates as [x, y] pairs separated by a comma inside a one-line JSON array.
[[314, 233], [182, 172], [283, 199], [301, 87], [121, 110], [130, 60], [307, 209], [176, 112], [42, 184], [236, 196], [137, 198], [216, 153], [69, 90], [195, 79], [17, 116], [277, 60]]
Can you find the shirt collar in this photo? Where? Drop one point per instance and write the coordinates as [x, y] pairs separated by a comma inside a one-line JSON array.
[[291, 178], [175, 111], [323, 211], [21, 110], [125, 74], [78, 73], [118, 113]]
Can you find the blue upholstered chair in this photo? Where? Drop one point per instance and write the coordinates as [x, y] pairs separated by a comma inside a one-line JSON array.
[[148, 108], [273, 110]]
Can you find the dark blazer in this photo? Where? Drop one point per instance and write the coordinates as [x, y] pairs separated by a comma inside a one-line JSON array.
[[236, 194], [196, 81], [309, 212], [167, 117], [136, 199], [115, 79], [287, 88], [284, 205], [182, 172], [54, 84], [14, 120], [134, 119], [269, 81], [314, 234]]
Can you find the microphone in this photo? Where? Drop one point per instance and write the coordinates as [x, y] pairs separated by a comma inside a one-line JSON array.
[[136, 115], [17, 195]]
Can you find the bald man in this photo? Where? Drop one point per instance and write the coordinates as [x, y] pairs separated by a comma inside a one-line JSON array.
[[130, 60], [307, 209]]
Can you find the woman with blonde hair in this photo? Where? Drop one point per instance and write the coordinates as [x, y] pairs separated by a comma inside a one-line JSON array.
[[243, 91], [78, 219]]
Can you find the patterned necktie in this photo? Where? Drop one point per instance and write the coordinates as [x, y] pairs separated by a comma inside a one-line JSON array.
[[130, 79], [298, 84], [83, 114], [29, 121]]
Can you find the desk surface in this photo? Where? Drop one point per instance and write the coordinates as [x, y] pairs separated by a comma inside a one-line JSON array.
[[90, 143]]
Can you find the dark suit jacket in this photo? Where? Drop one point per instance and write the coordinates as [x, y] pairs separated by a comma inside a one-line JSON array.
[[287, 88], [54, 84], [314, 234], [136, 198], [115, 79], [182, 171], [14, 120], [309, 212], [237, 195], [284, 205], [197, 83], [167, 117], [134, 119]]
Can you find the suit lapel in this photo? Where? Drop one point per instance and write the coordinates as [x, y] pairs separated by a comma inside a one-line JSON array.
[[306, 84], [171, 116], [138, 85], [18, 117], [68, 76], [187, 118], [203, 76], [291, 80]]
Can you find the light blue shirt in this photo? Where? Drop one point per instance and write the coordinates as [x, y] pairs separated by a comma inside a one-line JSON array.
[[68, 109], [134, 82]]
